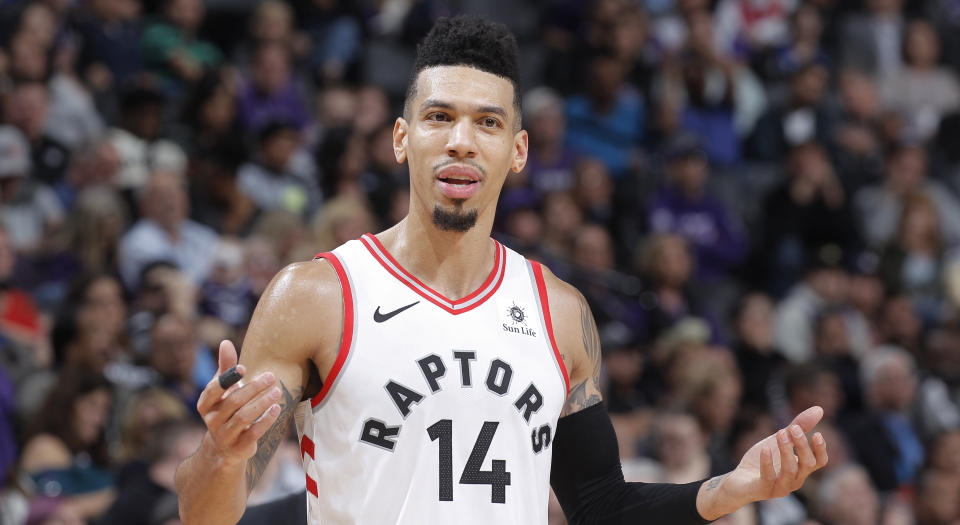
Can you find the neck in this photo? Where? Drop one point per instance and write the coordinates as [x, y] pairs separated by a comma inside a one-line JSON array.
[[452, 263]]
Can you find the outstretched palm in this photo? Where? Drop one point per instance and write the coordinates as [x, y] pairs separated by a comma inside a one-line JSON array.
[[775, 466]]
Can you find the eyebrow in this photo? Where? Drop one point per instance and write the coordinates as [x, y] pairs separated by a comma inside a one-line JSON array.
[[434, 103]]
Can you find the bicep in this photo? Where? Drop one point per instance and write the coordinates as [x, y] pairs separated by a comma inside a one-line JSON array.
[[582, 342], [578, 342]]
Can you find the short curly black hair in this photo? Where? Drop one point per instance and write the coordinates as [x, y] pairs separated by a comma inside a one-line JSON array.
[[468, 40]]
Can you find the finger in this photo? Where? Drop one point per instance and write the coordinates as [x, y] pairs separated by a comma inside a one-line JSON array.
[[767, 472], [247, 414], [227, 356], [805, 459], [788, 462], [214, 392], [259, 427], [224, 407], [820, 449], [808, 418]]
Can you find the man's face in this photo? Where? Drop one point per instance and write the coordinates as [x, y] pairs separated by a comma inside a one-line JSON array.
[[459, 140]]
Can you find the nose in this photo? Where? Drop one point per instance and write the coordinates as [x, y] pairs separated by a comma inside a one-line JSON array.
[[461, 142]]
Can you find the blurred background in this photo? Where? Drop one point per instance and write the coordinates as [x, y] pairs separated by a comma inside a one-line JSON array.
[[760, 200]]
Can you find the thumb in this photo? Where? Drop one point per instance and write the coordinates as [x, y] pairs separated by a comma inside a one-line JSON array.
[[809, 418], [227, 357]]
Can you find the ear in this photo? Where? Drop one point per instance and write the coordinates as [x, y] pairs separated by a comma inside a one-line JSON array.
[[520, 147], [400, 140]]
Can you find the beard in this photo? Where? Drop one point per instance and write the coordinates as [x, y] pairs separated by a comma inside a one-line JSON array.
[[455, 220]]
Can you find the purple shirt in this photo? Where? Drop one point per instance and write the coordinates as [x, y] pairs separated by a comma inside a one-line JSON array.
[[717, 241], [257, 109]]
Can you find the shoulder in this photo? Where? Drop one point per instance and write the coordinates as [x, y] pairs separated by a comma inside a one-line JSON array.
[[45, 451], [570, 316], [299, 314]]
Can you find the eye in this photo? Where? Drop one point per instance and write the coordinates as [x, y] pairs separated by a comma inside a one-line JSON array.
[[490, 122], [438, 116]]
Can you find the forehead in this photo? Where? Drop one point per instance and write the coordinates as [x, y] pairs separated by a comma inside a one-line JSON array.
[[463, 85]]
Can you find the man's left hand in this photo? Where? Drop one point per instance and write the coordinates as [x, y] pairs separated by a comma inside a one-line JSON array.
[[773, 468]]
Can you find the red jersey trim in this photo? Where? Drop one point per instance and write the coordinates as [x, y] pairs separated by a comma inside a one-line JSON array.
[[347, 340], [465, 304], [545, 305]]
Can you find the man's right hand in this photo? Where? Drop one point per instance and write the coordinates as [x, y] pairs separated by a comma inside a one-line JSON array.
[[238, 416]]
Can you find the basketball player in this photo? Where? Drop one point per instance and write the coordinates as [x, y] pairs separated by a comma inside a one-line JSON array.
[[435, 375]]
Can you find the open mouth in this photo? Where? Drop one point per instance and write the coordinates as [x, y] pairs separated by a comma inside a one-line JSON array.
[[457, 181]]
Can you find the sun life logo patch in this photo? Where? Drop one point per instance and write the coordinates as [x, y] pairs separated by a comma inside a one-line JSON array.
[[518, 321]]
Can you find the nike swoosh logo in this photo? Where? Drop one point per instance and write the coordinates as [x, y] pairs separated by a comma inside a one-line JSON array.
[[379, 317]]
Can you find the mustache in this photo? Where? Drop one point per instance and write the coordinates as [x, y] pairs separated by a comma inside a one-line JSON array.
[[449, 162]]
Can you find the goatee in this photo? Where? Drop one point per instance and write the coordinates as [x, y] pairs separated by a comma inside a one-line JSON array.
[[455, 220]]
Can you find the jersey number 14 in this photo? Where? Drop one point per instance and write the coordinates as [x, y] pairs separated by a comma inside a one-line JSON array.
[[497, 477]]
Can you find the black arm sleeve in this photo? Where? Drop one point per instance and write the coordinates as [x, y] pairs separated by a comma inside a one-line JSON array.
[[588, 480]]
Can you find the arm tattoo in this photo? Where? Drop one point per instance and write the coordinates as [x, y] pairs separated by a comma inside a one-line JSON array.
[[587, 392], [269, 441], [714, 482]]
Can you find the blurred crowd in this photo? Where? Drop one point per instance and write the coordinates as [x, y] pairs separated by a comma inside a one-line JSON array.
[[760, 199]]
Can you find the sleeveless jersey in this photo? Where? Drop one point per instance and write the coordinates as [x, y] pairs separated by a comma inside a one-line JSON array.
[[435, 411]]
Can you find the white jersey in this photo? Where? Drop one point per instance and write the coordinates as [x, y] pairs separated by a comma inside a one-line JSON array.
[[435, 411]]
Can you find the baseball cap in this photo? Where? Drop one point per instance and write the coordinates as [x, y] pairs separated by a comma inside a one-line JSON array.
[[14, 153]]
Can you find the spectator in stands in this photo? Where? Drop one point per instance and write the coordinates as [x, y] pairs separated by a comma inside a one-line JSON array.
[[110, 54], [66, 448], [140, 140], [923, 91], [23, 342], [95, 227], [142, 413], [804, 46], [30, 211], [89, 332], [857, 134], [550, 161], [336, 35], [273, 21], [685, 207], [210, 119], [607, 122], [748, 28], [594, 190], [172, 50], [938, 498], [226, 294], [26, 108], [804, 117], [884, 439], [832, 348], [871, 39], [270, 93], [879, 206], [666, 265], [912, 264], [149, 495], [278, 178], [173, 355], [164, 233], [808, 209], [825, 282], [846, 496], [718, 99], [815, 384], [939, 393], [681, 446], [757, 358], [945, 452]]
